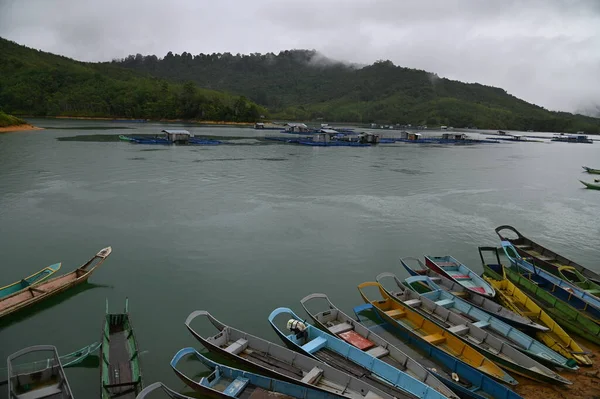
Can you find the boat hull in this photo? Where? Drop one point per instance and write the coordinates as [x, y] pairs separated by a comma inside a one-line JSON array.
[[463, 276], [29, 281]]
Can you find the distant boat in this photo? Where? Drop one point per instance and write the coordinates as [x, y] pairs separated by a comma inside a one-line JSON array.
[[32, 280], [591, 170], [592, 186], [572, 139]]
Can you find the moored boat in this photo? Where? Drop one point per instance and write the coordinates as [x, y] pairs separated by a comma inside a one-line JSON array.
[[592, 186], [120, 371], [479, 301], [429, 332], [226, 382], [279, 362], [150, 389], [41, 381], [56, 285], [542, 255], [470, 314], [591, 170], [362, 363], [515, 299], [29, 281], [450, 268]]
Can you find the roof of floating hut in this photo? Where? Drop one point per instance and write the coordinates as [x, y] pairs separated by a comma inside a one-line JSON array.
[[296, 124], [330, 131], [168, 131]]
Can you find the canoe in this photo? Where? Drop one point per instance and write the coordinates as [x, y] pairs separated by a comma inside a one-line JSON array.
[[542, 255], [452, 269], [479, 301], [34, 279], [40, 381], [150, 389], [575, 296], [570, 274], [228, 382], [493, 326], [125, 138], [120, 372], [363, 364], [513, 298], [407, 319], [561, 311], [434, 363], [281, 363], [56, 285], [592, 171]]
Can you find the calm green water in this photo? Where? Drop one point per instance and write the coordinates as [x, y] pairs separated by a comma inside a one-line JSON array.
[[239, 230]]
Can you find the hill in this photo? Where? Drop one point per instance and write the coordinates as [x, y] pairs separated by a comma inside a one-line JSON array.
[[37, 83], [9, 120], [303, 85]]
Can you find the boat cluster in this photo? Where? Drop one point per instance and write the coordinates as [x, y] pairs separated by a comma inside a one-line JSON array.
[[444, 332], [596, 184]]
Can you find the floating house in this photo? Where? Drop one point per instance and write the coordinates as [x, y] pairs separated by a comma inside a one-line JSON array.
[[297, 128], [570, 138], [178, 136], [410, 136]]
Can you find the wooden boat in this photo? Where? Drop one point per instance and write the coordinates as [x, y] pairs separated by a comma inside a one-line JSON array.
[[479, 301], [465, 380], [226, 382], [561, 310], [334, 321], [34, 279], [592, 171], [407, 319], [40, 382], [31, 295], [120, 372], [574, 295], [281, 363], [542, 255], [150, 389], [513, 298], [591, 186], [359, 363], [450, 268], [495, 327]]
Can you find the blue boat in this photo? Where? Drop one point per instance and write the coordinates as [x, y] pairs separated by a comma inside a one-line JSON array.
[[315, 343], [451, 268], [27, 282], [465, 380], [500, 329], [228, 382], [561, 289]]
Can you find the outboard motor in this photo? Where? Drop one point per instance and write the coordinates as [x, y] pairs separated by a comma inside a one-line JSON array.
[[297, 327]]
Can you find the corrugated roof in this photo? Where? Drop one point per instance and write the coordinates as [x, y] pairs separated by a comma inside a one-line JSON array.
[[176, 131]]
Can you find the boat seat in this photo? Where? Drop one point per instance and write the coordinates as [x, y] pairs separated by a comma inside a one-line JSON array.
[[481, 324], [314, 345], [461, 277], [446, 264], [445, 302], [371, 395], [524, 247], [396, 313], [340, 328], [378, 352], [435, 279], [237, 347], [313, 376], [413, 303], [41, 393], [435, 339], [458, 329], [355, 339], [236, 387]]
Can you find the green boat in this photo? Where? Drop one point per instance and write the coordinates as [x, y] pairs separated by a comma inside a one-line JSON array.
[[570, 274], [591, 170], [121, 374], [125, 138], [591, 186], [564, 314], [32, 280]]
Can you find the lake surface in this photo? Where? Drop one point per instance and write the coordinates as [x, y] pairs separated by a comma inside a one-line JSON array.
[[239, 230]]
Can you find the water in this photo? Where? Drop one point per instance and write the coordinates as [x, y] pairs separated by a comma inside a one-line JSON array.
[[240, 230]]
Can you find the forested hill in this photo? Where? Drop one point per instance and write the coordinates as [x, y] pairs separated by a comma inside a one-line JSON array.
[[301, 84], [37, 83]]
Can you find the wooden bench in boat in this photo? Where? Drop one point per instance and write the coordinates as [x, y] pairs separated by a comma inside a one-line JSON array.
[[459, 329], [315, 345], [445, 302], [446, 264], [237, 347], [435, 339], [236, 386], [481, 324], [413, 303], [396, 313], [45, 392], [357, 340], [313, 376], [378, 352], [461, 277], [340, 328]]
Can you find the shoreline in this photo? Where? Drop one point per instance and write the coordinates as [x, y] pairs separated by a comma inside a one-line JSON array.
[[19, 128], [199, 122]]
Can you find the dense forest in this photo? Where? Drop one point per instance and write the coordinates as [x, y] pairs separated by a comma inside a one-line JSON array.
[[9, 120], [303, 85], [37, 83]]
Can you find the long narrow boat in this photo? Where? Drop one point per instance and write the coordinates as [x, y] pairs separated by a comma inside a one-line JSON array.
[[572, 275], [34, 279], [591, 170], [513, 298], [121, 373], [407, 319], [226, 382], [561, 311], [48, 288], [362, 364], [471, 384], [450, 268], [479, 301], [542, 255], [37, 382], [497, 328], [150, 389], [281, 363], [575, 296]]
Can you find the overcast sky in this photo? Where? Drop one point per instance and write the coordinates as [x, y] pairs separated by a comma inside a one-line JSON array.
[[544, 51]]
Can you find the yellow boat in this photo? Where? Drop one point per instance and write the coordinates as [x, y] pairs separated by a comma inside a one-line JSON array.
[[512, 298], [407, 319]]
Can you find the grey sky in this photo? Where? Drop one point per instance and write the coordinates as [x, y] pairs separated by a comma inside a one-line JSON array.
[[546, 52]]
